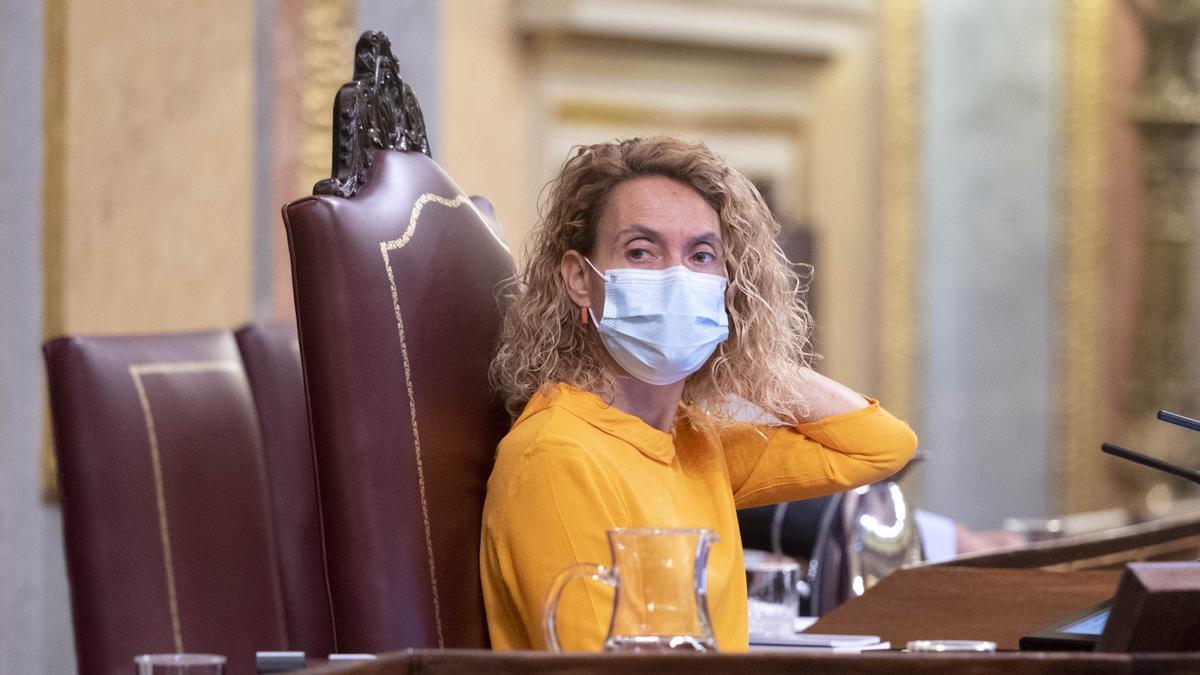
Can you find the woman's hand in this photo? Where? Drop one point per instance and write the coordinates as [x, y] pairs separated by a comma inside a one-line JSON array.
[[825, 397]]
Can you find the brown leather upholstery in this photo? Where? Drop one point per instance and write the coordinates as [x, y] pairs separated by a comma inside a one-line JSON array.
[[165, 519], [395, 301], [271, 354], [488, 211]]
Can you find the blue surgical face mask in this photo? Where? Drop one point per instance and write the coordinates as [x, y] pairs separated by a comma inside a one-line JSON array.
[[662, 325]]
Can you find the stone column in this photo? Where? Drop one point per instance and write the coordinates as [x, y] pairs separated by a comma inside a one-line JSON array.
[[1167, 113]]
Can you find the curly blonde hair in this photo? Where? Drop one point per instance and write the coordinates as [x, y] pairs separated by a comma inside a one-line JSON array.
[[542, 341]]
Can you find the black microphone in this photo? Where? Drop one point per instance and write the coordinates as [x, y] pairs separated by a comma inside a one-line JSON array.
[[1151, 462], [1179, 420]]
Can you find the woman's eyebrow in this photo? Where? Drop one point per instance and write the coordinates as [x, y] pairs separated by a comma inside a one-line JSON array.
[[640, 230], [711, 238]]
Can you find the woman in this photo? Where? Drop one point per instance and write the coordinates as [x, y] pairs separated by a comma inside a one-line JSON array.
[[653, 294]]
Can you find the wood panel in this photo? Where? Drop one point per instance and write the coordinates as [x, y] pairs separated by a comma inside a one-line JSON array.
[[1175, 538], [959, 603]]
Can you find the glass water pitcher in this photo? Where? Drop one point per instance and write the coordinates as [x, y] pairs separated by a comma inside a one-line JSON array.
[[660, 604]]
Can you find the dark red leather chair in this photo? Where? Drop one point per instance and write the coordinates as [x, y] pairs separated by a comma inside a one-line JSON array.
[[271, 354], [395, 274], [163, 485]]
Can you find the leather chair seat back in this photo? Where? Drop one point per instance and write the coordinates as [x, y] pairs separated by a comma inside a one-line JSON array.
[[163, 486], [396, 306]]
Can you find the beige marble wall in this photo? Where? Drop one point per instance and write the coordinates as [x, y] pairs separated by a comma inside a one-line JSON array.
[[1080, 263], [149, 165], [486, 139], [845, 151], [148, 145]]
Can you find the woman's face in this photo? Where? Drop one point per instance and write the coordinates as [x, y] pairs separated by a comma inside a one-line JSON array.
[[648, 223]]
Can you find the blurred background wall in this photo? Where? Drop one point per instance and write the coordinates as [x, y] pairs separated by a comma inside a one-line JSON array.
[[966, 178], [987, 255]]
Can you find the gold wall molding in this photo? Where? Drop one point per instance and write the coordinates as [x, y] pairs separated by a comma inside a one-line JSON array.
[[328, 49], [54, 196], [900, 203], [623, 113], [1078, 377]]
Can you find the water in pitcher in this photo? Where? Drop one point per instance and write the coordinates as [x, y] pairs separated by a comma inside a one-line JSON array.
[[658, 644]]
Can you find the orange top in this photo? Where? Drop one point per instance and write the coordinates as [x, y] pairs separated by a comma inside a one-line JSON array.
[[573, 468]]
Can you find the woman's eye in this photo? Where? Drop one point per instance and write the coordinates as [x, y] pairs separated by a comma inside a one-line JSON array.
[[704, 258], [637, 254]]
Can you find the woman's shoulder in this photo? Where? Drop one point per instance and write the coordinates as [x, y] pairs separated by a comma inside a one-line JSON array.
[[551, 442], [550, 431]]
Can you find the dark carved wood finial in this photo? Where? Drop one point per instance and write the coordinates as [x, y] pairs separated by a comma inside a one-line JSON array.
[[376, 110]]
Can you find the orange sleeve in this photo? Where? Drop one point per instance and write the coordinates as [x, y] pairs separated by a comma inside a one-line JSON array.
[[772, 464]]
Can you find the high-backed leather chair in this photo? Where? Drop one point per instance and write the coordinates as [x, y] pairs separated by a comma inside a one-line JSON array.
[[163, 485], [395, 274], [271, 354]]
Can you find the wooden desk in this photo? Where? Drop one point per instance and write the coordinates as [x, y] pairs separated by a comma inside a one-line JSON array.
[[921, 603], [968, 603], [454, 662]]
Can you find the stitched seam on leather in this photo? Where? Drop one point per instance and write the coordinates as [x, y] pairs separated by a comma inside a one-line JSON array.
[[136, 371], [384, 248]]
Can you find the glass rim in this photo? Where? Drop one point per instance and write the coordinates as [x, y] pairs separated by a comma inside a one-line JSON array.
[[179, 660], [771, 565], [700, 531], [950, 646]]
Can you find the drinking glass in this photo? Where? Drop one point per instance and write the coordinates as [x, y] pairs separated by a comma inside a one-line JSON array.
[[773, 596], [180, 664], [940, 646]]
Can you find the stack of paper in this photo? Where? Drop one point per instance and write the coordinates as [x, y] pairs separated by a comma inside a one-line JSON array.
[[818, 642]]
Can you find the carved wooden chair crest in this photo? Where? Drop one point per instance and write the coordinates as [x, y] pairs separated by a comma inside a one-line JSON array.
[[375, 110]]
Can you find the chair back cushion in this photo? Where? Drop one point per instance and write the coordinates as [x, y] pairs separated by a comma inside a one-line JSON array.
[[271, 354], [396, 306], [163, 490]]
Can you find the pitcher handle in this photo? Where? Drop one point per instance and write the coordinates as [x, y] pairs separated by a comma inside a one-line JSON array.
[[550, 620]]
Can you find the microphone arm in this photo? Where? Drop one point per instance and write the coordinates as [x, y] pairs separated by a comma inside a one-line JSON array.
[[1151, 462], [1179, 420]]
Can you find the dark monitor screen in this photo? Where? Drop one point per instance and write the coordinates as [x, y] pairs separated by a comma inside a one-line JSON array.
[[1079, 631], [1089, 625]]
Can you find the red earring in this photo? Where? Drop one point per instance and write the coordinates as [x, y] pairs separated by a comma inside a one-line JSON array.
[[583, 315]]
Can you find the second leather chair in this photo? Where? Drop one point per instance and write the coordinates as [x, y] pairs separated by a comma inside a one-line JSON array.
[[271, 354], [163, 486]]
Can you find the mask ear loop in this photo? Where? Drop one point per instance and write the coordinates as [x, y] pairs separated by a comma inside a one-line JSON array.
[[598, 272], [584, 312]]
